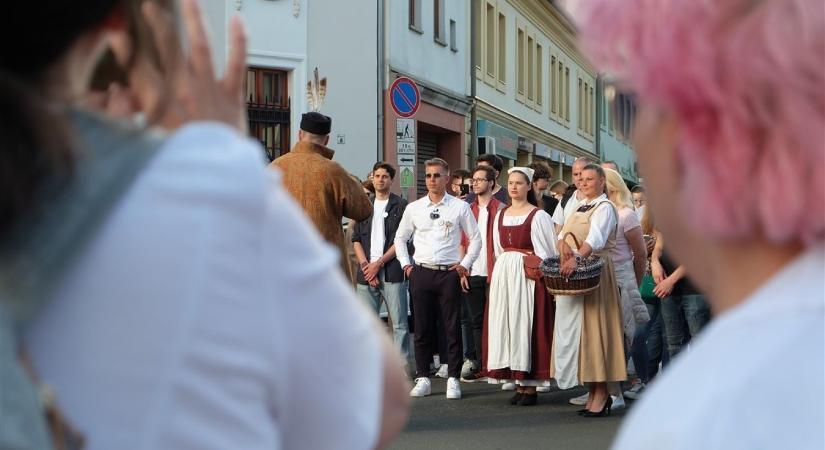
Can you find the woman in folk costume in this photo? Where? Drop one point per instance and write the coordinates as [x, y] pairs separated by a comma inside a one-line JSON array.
[[587, 345], [518, 328]]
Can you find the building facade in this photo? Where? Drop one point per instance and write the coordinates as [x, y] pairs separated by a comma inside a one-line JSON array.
[[535, 93], [499, 76], [277, 58], [428, 42]]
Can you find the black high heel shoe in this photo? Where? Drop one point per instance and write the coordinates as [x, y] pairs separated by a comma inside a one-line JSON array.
[[529, 399], [604, 412]]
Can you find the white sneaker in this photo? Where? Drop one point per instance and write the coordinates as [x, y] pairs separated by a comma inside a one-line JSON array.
[[468, 368], [618, 402], [635, 391], [453, 388], [542, 388], [442, 371], [580, 400], [422, 387], [508, 387]]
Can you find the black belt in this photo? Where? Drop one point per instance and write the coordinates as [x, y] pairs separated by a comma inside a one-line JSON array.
[[441, 267]]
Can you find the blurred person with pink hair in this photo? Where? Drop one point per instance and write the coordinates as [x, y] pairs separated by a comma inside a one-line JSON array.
[[730, 95]]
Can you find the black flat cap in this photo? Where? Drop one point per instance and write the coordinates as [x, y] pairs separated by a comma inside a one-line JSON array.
[[316, 123]]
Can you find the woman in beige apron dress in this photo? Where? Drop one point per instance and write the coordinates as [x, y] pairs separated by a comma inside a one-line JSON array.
[[587, 344]]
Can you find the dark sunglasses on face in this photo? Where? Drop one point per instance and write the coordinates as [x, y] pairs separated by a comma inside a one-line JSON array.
[[432, 175]]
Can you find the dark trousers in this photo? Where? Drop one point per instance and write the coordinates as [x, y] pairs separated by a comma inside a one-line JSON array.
[[475, 299], [467, 340], [656, 347], [436, 295]]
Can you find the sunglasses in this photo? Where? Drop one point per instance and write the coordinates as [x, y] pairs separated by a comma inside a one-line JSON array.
[[432, 175], [622, 102]]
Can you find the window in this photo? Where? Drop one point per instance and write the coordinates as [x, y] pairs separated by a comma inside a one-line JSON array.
[[539, 75], [415, 15], [493, 45], [580, 98], [267, 103], [502, 49], [531, 68], [520, 65], [554, 93], [453, 44], [567, 94], [610, 125], [561, 88], [491, 41], [587, 106], [626, 113], [478, 50], [438, 22]]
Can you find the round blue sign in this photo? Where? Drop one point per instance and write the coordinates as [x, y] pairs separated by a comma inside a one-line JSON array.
[[405, 97]]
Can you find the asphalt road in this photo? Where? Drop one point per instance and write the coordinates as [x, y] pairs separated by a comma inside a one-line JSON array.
[[483, 419]]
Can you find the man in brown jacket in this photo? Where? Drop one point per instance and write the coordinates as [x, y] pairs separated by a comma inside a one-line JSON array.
[[321, 186]]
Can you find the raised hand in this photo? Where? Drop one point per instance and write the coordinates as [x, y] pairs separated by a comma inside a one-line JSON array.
[[189, 90]]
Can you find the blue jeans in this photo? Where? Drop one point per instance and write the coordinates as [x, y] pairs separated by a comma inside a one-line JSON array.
[[684, 316], [655, 343], [395, 295]]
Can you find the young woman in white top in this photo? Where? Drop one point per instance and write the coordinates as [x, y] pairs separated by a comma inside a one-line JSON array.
[[709, 142], [629, 255], [203, 314]]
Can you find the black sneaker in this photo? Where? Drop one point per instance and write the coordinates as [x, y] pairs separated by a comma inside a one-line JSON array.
[[473, 377]]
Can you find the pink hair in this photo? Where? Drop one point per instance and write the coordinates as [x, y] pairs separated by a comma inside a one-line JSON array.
[[746, 79]]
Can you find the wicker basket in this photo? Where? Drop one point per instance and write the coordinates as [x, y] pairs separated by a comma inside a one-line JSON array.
[[585, 279]]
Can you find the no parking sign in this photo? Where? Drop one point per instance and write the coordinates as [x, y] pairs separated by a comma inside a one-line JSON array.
[[405, 97]]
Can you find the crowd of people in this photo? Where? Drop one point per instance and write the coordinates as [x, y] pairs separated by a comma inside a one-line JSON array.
[[160, 287], [479, 315]]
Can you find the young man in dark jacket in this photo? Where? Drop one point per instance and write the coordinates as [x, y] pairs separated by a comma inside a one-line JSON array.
[[379, 273]]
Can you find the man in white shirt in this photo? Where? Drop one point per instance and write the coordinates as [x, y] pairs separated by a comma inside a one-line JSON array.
[[484, 209], [437, 222], [570, 202], [379, 272]]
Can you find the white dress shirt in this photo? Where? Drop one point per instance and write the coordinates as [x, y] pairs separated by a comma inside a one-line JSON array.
[[603, 221], [203, 300], [437, 240], [560, 215], [754, 378]]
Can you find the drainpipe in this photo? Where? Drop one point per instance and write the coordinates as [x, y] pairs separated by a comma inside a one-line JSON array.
[[473, 116], [381, 59]]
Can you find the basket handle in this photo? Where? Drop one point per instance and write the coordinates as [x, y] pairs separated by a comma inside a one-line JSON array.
[[575, 239]]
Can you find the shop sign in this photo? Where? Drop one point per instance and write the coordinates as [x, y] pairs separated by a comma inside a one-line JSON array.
[[543, 150], [525, 144]]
